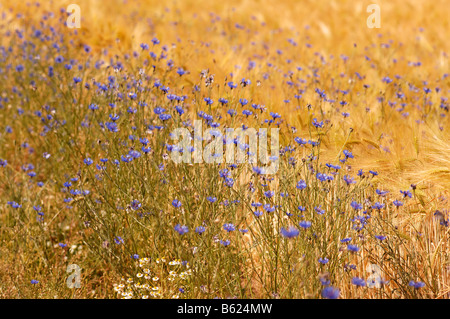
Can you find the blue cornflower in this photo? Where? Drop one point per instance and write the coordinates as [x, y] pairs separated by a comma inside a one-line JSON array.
[[114, 117], [269, 194], [135, 204], [159, 110], [243, 102], [229, 181], [88, 161], [34, 281], [258, 170], [126, 158], [356, 205], [381, 193], [176, 203], [223, 101], [350, 266], [258, 213], [225, 242], [181, 71], [208, 100], [179, 109], [211, 199], [323, 260], [441, 218], [144, 141], [134, 154], [346, 240], [353, 248], [324, 177], [131, 110], [289, 233], [336, 167], [417, 284], [305, 224], [301, 141], [181, 229], [224, 173], [317, 124], [19, 68], [275, 115], [229, 227], [380, 238], [245, 82], [59, 59], [378, 206], [200, 230], [358, 282], [93, 107], [348, 154], [118, 240], [319, 210], [397, 203], [301, 185], [232, 85], [406, 193], [349, 180], [374, 173], [231, 112], [386, 79], [165, 117], [112, 127]]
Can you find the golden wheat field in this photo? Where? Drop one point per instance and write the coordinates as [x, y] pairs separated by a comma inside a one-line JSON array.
[[93, 203]]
